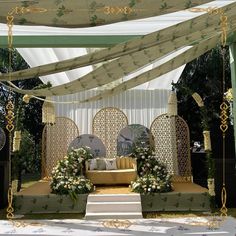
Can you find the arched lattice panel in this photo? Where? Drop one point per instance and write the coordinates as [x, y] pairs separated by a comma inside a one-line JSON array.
[[183, 147], [107, 124], [55, 142], [172, 145]]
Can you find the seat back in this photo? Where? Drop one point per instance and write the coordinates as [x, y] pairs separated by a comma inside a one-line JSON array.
[[125, 163]]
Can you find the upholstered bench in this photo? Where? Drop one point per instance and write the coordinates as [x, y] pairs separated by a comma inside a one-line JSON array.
[[125, 173]]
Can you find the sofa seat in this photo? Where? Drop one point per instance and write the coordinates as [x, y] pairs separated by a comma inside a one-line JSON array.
[[123, 175]]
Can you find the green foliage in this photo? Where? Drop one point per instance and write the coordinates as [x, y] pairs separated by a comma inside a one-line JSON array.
[[28, 116], [210, 164], [149, 183], [67, 176], [141, 154], [24, 159], [204, 76], [153, 174]]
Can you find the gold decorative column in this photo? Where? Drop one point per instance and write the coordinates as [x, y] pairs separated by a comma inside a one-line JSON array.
[[10, 127]]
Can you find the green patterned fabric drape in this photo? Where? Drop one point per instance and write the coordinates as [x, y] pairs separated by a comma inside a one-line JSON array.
[[86, 13], [172, 37], [166, 67], [132, 55], [169, 39]]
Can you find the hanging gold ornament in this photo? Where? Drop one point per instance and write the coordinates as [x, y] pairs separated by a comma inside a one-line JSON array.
[[10, 115], [10, 209], [198, 99], [172, 109], [207, 140], [211, 186], [48, 112], [26, 98], [16, 141]]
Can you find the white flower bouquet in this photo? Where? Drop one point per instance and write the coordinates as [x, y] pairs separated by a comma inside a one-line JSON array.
[[67, 176]]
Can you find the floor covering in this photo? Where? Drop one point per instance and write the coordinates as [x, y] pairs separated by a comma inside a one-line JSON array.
[[203, 226], [43, 187]]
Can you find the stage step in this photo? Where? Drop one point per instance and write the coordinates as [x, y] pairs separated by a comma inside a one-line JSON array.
[[113, 206], [113, 197], [113, 215]]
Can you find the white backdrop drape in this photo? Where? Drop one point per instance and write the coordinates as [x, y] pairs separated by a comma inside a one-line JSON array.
[[140, 106]]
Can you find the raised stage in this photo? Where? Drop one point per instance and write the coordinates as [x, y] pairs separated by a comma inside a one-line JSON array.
[[38, 199]]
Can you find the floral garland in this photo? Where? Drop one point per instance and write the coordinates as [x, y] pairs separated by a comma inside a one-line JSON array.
[[67, 176], [153, 175]]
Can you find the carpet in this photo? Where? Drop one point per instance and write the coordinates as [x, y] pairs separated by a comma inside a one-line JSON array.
[[203, 226], [43, 187]]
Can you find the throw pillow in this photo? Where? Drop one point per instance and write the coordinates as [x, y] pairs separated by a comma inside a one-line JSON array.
[[101, 164], [93, 164], [111, 164]]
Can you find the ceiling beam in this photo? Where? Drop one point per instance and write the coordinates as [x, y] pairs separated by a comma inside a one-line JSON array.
[[70, 41], [66, 41]]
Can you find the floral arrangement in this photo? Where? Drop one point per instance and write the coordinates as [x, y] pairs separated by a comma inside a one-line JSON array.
[[141, 154], [153, 175], [67, 176], [151, 184]]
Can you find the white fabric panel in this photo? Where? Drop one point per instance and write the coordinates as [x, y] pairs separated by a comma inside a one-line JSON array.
[[41, 56], [164, 81], [140, 106], [35, 57], [134, 27]]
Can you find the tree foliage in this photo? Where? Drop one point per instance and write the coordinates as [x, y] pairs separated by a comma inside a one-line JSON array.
[[27, 116], [204, 76]]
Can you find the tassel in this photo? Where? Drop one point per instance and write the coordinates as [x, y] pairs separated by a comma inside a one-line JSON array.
[[172, 109], [26, 98], [48, 112], [16, 141], [207, 140], [211, 186], [198, 99]]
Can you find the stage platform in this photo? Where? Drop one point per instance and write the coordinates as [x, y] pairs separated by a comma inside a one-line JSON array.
[[38, 199]]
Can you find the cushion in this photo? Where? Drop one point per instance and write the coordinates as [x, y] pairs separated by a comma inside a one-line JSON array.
[[125, 162], [93, 164], [111, 164], [101, 164]]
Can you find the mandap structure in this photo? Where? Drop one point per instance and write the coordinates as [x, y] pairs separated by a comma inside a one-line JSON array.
[[123, 54]]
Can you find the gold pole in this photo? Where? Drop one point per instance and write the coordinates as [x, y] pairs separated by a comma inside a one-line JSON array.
[[223, 115], [10, 118], [10, 106], [10, 127]]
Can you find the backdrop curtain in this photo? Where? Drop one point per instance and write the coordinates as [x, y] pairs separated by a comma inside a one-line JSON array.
[[140, 106]]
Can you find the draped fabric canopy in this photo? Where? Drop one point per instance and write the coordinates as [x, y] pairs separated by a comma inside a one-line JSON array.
[[198, 31], [84, 13]]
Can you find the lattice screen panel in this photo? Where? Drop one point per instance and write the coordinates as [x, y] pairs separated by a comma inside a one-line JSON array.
[[107, 124], [172, 145], [55, 142], [183, 147]]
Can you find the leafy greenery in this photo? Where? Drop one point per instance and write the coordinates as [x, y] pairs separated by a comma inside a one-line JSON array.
[[27, 116], [150, 183], [67, 176], [23, 160], [204, 76], [153, 176]]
